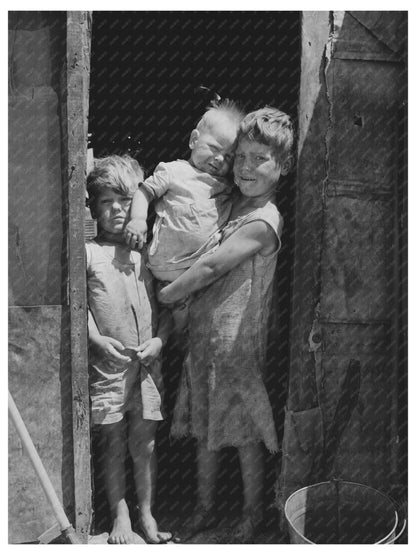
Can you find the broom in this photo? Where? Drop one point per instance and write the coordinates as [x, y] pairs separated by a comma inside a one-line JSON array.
[[66, 528]]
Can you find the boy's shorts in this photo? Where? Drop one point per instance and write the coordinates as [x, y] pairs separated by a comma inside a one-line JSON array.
[[133, 388]]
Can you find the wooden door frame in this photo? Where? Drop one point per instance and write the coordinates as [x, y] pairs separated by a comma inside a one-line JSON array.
[[75, 100]]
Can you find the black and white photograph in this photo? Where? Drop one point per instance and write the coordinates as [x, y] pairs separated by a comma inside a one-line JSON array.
[[207, 276]]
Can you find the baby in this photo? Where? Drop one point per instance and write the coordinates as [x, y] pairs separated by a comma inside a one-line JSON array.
[[194, 197]]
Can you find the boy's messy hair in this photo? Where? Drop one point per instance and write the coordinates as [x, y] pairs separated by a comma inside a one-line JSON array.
[[271, 127], [221, 107], [122, 174]]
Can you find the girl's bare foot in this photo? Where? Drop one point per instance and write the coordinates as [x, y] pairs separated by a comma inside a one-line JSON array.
[[247, 528], [122, 533], [148, 526], [202, 518]]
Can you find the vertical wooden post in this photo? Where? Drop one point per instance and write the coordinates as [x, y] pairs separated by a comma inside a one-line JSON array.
[[313, 114], [75, 127]]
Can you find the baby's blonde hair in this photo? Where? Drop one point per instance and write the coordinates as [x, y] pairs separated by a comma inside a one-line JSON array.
[[271, 127], [122, 174], [226, 108]]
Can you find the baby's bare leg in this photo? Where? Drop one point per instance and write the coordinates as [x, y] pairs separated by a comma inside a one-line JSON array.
[[142, 450], [113, 447]]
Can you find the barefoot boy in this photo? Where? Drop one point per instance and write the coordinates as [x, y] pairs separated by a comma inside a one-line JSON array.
[[125, 379]]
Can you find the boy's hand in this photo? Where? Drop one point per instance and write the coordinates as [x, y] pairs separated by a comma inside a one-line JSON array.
[[135, 233], [110, 348], [148, 351]]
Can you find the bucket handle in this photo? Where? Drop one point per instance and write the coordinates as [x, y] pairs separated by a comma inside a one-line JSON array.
[[402, 518], [402, 530]]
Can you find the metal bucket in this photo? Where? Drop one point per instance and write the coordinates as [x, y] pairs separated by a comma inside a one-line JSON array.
[[339, 512]]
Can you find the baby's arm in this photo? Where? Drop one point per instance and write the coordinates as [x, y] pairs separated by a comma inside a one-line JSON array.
[[135, 230], [244, 243], [154, 186], [148, 351], [107, 347]]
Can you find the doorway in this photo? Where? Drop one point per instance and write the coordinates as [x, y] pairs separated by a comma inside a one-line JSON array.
[[152, 75]]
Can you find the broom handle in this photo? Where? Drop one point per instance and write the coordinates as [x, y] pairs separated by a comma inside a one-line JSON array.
[[38, 466]]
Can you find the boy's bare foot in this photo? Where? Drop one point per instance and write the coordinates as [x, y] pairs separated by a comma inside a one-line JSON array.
[[247, 529], [122, 533], [148, 526], [202, 519]]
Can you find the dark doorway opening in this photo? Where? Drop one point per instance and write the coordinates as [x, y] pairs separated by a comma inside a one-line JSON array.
[[149, 75]]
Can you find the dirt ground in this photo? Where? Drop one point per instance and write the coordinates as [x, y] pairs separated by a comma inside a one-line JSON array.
[[270, 532]]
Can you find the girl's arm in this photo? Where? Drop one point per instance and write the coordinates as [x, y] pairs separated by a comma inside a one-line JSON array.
[[250, 239]]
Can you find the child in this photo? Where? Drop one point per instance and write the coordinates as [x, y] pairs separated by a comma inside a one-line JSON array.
[[125, 379], [222, 400], [193, 197]]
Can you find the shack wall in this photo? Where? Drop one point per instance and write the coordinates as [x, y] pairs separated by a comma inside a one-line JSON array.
[[347, 270], [347, 273], [41, 325]]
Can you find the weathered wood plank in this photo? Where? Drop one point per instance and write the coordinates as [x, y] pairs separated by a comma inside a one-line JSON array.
[[34, 382], [75, 120], [312, 153]]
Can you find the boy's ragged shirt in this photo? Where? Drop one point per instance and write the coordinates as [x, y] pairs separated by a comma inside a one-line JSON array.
[[122, 302], [192, 205], [120, 294]]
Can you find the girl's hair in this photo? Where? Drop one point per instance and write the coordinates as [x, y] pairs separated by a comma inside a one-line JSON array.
[[271, 127], [122, 174], [225, 108]]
